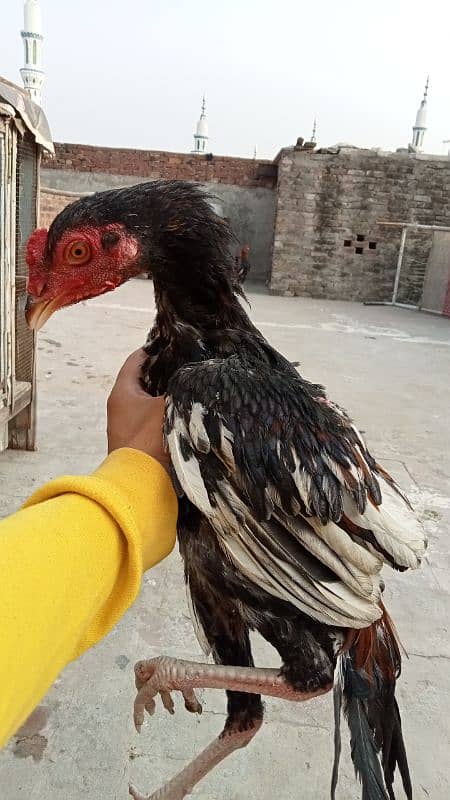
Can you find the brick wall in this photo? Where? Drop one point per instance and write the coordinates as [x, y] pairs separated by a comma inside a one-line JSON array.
[[160, 164], [327, 240], [51, 203]]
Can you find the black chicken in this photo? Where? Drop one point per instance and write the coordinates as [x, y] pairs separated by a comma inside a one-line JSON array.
[[285, 519]]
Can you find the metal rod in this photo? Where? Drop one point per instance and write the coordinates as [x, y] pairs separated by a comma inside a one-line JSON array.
[[432, 311], [414, 225], [390, 303], [65, 192], [399, 264]]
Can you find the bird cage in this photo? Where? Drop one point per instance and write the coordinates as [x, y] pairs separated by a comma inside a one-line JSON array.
[[23, 132]]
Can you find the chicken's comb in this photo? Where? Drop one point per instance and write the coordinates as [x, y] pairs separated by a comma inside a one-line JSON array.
[[34, 256]]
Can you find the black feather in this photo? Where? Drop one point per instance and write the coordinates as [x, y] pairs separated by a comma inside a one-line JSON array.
[[385, 716], [337, 707], [356, 692], [398, 754]]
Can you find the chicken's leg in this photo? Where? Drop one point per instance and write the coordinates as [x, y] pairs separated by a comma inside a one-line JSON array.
[[163, 675], [182, 784]]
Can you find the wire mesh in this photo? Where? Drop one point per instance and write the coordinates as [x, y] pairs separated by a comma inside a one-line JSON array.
[[26, 189]]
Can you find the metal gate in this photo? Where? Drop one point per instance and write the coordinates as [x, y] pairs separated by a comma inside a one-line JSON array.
[[423, 268]]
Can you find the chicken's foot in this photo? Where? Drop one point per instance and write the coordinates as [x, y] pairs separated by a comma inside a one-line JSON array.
[[163, 675]]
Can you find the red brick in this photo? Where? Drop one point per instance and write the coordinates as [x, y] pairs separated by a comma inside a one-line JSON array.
[[161, 164]]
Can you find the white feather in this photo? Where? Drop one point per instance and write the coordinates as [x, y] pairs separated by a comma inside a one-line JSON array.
[[187, 472], [226, 447], [343, 545], [366, 585], [394, 526], [336, 469], [331, 602], [280, 580], [302, 480], [197, 430]]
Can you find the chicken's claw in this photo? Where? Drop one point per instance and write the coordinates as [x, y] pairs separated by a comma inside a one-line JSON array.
[[157, 676]]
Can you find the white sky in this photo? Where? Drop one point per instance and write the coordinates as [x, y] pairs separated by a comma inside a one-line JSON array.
[[132, 73]]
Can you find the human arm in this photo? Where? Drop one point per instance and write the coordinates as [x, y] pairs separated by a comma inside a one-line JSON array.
[[72, 558]]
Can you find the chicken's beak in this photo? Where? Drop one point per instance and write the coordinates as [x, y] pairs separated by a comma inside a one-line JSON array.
[[37, 311]]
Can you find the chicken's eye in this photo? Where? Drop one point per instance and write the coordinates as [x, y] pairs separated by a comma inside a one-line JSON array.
[[77, 253]]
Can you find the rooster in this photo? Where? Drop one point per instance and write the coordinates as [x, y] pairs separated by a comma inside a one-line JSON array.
[[285, 518], [243, 264]]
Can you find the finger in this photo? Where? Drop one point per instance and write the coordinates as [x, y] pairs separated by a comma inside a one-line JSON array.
[[129, 376], [130, 369], [130, 373]]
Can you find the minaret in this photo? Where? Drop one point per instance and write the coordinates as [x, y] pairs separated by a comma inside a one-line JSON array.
[[314, 131], [421, 122], [201, 135], [32, 73]]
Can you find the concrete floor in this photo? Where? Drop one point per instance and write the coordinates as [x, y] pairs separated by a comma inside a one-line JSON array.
[[390, 368]]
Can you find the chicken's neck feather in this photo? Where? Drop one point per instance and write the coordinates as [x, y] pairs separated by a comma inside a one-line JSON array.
[[204, 308], [189, 327]]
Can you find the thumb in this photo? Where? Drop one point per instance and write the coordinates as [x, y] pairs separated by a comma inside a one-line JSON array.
[[131, 368]]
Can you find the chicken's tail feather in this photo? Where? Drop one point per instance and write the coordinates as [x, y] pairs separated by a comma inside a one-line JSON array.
[[394, 753], [366, 674]]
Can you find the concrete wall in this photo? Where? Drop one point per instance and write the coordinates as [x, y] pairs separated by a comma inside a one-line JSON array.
[[250, 209], [328, 241], [251, 212]]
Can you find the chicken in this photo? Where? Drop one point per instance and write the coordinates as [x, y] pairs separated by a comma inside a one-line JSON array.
[[285, 518], [242, 264]]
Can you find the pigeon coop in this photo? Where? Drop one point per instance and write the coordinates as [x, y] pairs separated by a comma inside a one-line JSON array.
[[23, 134]]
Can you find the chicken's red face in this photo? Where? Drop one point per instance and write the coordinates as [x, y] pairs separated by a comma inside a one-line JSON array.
[[83, 263]]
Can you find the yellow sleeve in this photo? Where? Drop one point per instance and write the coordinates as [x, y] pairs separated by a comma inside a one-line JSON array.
[[71, 564]]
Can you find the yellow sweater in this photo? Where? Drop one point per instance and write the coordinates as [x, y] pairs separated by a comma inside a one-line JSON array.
[[71, 564]]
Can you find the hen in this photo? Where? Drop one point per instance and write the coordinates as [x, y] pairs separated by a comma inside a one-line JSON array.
[[285, 518]]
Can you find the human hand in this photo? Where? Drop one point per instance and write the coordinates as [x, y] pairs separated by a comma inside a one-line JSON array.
[[135, 419]]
